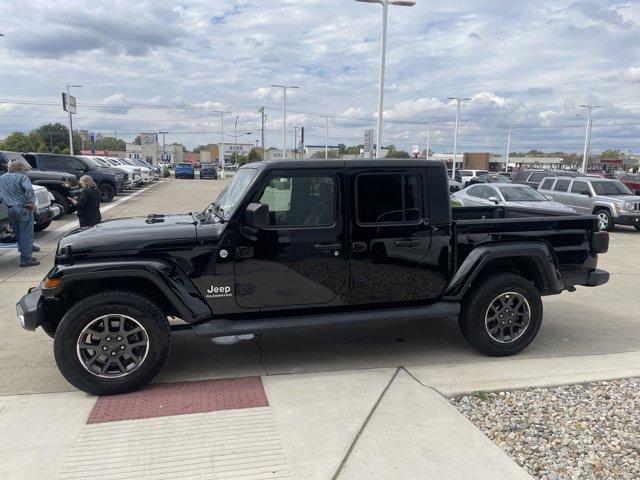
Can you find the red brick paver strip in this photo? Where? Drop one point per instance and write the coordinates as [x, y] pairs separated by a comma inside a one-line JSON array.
[[167, 399]]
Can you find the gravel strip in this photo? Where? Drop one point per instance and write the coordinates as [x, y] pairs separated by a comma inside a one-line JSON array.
[[570, 432]]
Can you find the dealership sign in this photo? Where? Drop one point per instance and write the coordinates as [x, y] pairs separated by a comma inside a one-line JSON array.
[[69, 103]]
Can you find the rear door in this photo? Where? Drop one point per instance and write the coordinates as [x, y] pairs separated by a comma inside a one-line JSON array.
[[561, 192], [299, 258], [580, 194], [391, 259], [75, 166]]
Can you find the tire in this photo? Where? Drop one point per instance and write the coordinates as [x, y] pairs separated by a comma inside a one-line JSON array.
[[107, 192], [605, 219], [138, 312], [479, 303], [41, 226], [64, 203], [637, 227]]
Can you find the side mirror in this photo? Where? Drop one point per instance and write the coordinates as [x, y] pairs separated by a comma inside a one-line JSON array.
[[495, 200], [587, 193], [257, 215]]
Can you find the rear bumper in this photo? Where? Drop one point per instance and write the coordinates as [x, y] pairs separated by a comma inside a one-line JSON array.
[[631, 219], [596, 277], [46, 214], [30, 309]]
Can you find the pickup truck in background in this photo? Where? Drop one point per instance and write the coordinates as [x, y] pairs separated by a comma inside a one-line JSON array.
[[306, 243], [63, 186]]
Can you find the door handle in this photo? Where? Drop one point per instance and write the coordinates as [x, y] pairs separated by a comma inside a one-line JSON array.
[[407, 243], [327, 247]]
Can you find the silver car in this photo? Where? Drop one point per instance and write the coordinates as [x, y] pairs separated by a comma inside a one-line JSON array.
[[507, 195], [610, 199]]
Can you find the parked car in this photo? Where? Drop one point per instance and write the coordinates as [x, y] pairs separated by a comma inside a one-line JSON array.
[[46, 208], [134, 172], [609, 199], [509, 195], [108, 180], [62, 185], [184, 170], [208, 170], [147, 170], [631, 181], [347, 242], [128, 182], [454, 185], [489, 178], [533, 178], [464, 176]]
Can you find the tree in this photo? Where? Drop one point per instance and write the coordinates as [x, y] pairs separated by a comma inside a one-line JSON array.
[[254, 156], [342, 148], [109, 143], [56, 137], [137, 140], [611, 154], [200, 148], [20, 142], [401, 154]]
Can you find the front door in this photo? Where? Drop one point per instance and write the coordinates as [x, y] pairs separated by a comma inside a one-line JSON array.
[[581, 197], [392, 257], [299, 259]]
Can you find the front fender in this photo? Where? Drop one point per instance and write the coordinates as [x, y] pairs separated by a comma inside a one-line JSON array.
[[174, 284], [536, 253]]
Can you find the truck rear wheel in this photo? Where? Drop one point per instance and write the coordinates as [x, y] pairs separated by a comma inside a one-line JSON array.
[[107, 192], [501, 315], [112, 342]]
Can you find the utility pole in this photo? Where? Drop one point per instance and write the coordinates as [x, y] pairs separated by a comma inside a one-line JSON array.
[[262, 121], [587, 137], [295, 140], [284, 116], [326, 139], [235, 139], [459, 100], [221, 149]]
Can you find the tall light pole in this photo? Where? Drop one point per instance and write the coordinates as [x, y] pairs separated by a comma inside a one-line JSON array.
[[326, 138], [383, 49], [235, 138], [428, 138], [459, 100], [164, 150], [284, 116], [506, 161], [587, 136], [71, 120]]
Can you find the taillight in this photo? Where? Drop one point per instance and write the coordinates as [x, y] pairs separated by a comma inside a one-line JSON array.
[[600, 242]]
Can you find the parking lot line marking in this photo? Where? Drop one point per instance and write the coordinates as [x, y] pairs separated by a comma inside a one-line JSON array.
[[10, 254], [179, 398]]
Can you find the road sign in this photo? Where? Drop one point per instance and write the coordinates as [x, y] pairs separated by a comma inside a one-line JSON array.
[[416, 151], [69, 103]]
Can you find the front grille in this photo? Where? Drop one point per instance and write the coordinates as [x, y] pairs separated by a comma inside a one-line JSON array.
[[43, 197], [636, 207]]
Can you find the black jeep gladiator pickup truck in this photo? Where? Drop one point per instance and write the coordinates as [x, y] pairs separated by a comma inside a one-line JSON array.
[[300, 243]]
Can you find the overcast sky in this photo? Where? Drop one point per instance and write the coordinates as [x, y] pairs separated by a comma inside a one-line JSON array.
[[528, 64]]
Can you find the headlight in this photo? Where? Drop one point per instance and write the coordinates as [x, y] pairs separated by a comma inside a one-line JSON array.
[[628, 206]]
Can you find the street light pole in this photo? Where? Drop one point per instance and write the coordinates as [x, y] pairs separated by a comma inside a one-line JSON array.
[[284, 116], [459, 100], [164, 150], [428, 138], [587, 136], [70, 119], [221, 149], [506, 162], [383, 49], [235, 139], [326, 139]]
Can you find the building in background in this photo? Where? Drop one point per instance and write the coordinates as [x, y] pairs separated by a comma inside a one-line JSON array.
[[153, 152]]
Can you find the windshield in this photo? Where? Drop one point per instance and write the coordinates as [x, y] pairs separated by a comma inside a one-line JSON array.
[[102, 162], [92, 162], [610, 188], [522, 194], [235, 190]]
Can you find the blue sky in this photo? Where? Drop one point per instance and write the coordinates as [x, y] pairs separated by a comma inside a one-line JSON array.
[[528, 65]]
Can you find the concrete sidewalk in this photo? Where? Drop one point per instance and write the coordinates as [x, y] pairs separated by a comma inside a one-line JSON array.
[[384, 423]]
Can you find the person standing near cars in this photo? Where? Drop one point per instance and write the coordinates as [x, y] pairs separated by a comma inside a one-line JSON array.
[[89, 203], [18, 195]]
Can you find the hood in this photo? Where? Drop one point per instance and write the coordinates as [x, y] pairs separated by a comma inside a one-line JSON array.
[[49, 175], [621, 198], [138, 234]]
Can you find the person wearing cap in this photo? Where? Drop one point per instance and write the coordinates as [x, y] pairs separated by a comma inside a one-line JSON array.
[[20, 199]]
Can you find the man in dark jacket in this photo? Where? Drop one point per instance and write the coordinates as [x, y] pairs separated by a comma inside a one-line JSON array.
[[89, 203]]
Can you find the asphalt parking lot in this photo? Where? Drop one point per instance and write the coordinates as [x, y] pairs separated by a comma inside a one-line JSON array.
[[340, 398]]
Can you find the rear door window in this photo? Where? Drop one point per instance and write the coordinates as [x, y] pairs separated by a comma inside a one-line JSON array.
[[562, 186], [50, 162], [546, 185], [388, 198], [537, 176]]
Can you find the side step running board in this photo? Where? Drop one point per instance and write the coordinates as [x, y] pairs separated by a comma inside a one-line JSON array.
[[222, 327]]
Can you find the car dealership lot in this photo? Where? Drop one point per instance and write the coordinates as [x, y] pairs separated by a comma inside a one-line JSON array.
[[338, 396]]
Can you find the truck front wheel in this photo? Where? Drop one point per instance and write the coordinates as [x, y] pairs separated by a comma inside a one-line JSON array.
[[112, 342], [501, 315]]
